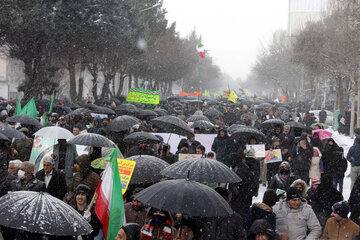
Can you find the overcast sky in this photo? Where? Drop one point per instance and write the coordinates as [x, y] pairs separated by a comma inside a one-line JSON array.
[[233, 30]]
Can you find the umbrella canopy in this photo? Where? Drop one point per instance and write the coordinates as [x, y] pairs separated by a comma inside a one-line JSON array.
[[294, 124], [250, 115], [287, 115], [24, 119], [91, 139], [127, 107], [147, 169], [322, 125], [272, 123], [323, 134], [3, 137], [203, 124], [102, 110], [244, 134], [123, 123], [161, 112], [11, 132], [235, 126], [40, 212], [134, 137], [54, 132], [194, 118], [202, 169], [173, 124], [266, 105], [79, 111], [213, 113], [283, 109], [145, 113], [186, 197]]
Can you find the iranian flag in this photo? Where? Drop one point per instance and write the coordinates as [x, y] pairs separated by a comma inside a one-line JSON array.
[[109, 203], [200, 48]]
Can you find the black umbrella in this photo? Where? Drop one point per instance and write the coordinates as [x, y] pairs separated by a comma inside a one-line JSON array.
[[24, 119], [91, 139], [102, 110], [147, 169], [194, 118], [203, 124], [123, 123], [40, 212], [202, 169], [287, 115], [11, 132], [145, 113], [79, 111], [235, 126], [250, 115], [173, 124], [161, 112], [283, 109], [186, 197], [213, 113], [244, 134], [266, 105], [134, 137], [294, 124], [272, 123], [3, 137], [127, 107]]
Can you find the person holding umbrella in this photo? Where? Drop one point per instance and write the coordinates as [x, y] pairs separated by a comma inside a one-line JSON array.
[[135, 211]]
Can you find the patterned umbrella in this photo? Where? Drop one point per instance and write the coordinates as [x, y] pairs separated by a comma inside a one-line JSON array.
[[323, 134]]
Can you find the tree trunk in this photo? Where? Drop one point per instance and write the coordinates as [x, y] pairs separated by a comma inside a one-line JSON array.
[[121, 84], [72, 71], [81, 81], [169, 90], [130, 80], [94, 73], [341, 94], [136, 81]]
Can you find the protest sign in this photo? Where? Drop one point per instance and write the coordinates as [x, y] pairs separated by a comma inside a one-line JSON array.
[[256, 150], [126, 169], [273, 156], [188, 156], [141, 95]]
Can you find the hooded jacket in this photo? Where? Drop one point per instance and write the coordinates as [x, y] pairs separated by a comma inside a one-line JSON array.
[[304, 187], [353, 155], [282, 181], [221, 146], [296, 222], [260, 211], [333, 160]]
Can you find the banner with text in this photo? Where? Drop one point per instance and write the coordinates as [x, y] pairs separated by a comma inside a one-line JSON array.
[[145, 96]]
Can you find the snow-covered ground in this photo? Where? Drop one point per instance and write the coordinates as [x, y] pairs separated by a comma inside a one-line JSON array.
[[343, 141]]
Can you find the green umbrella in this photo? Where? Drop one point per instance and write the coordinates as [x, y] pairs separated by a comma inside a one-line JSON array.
[[322, 125]]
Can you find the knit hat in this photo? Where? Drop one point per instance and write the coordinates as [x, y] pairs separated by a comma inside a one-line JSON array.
[[132, 231], [342, 208], [270, 197], [82, 188], [315, 180], [293, 192]]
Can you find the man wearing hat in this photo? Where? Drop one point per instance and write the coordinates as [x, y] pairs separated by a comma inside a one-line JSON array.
[[82, 199], [54, 179], [339, 226], [295, 217], [135, 211], [22, 147], [142, 148]]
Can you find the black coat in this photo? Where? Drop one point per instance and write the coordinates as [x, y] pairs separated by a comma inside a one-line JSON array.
[[140, 151], [221, 146], [5, 182], [354, 202], [279, 182], [57, 185], [333, 160], [302, 158], [34, 185], [260, 211]]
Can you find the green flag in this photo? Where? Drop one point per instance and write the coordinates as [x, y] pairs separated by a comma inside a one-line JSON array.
[[30, 109], [52, 102], [44, 119], [18, 106]]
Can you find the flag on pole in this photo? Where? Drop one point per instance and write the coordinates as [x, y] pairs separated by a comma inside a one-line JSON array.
[[206, 93], [283, 98], [109, 203], [52, 102], [242, 90], [29, 109], [232, 97], [200, 48], [18, 106]]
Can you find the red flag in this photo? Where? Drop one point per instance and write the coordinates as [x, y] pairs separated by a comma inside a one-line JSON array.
[[190, 94], [283, 98]]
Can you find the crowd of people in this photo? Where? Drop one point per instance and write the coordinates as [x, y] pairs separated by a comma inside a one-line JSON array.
[[303, 199]]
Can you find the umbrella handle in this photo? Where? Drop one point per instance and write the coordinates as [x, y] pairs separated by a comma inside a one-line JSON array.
[[168, 139], [92, 202]]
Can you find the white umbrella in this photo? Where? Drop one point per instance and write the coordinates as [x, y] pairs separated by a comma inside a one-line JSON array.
[[54, 132]]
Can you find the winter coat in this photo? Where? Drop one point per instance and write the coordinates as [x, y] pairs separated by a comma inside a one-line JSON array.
[[136, 150], [304, 187], [353, 155], [260, 211], [333, 160], [23, 147], [345, 229], [94, 222], [315, 164], [286, 140], [5, 182], [221, 147], [323, 198], [261, 226], [135, 216], [296, 222], [302, 159], [57, 185], [229, 228], [34, 185], [85, 176], [280, 182], [354, 202], [322, 116], [70, 156]]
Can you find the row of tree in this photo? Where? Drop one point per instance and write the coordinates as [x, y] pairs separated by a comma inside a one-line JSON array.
[[115, 39], [321, 60]]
